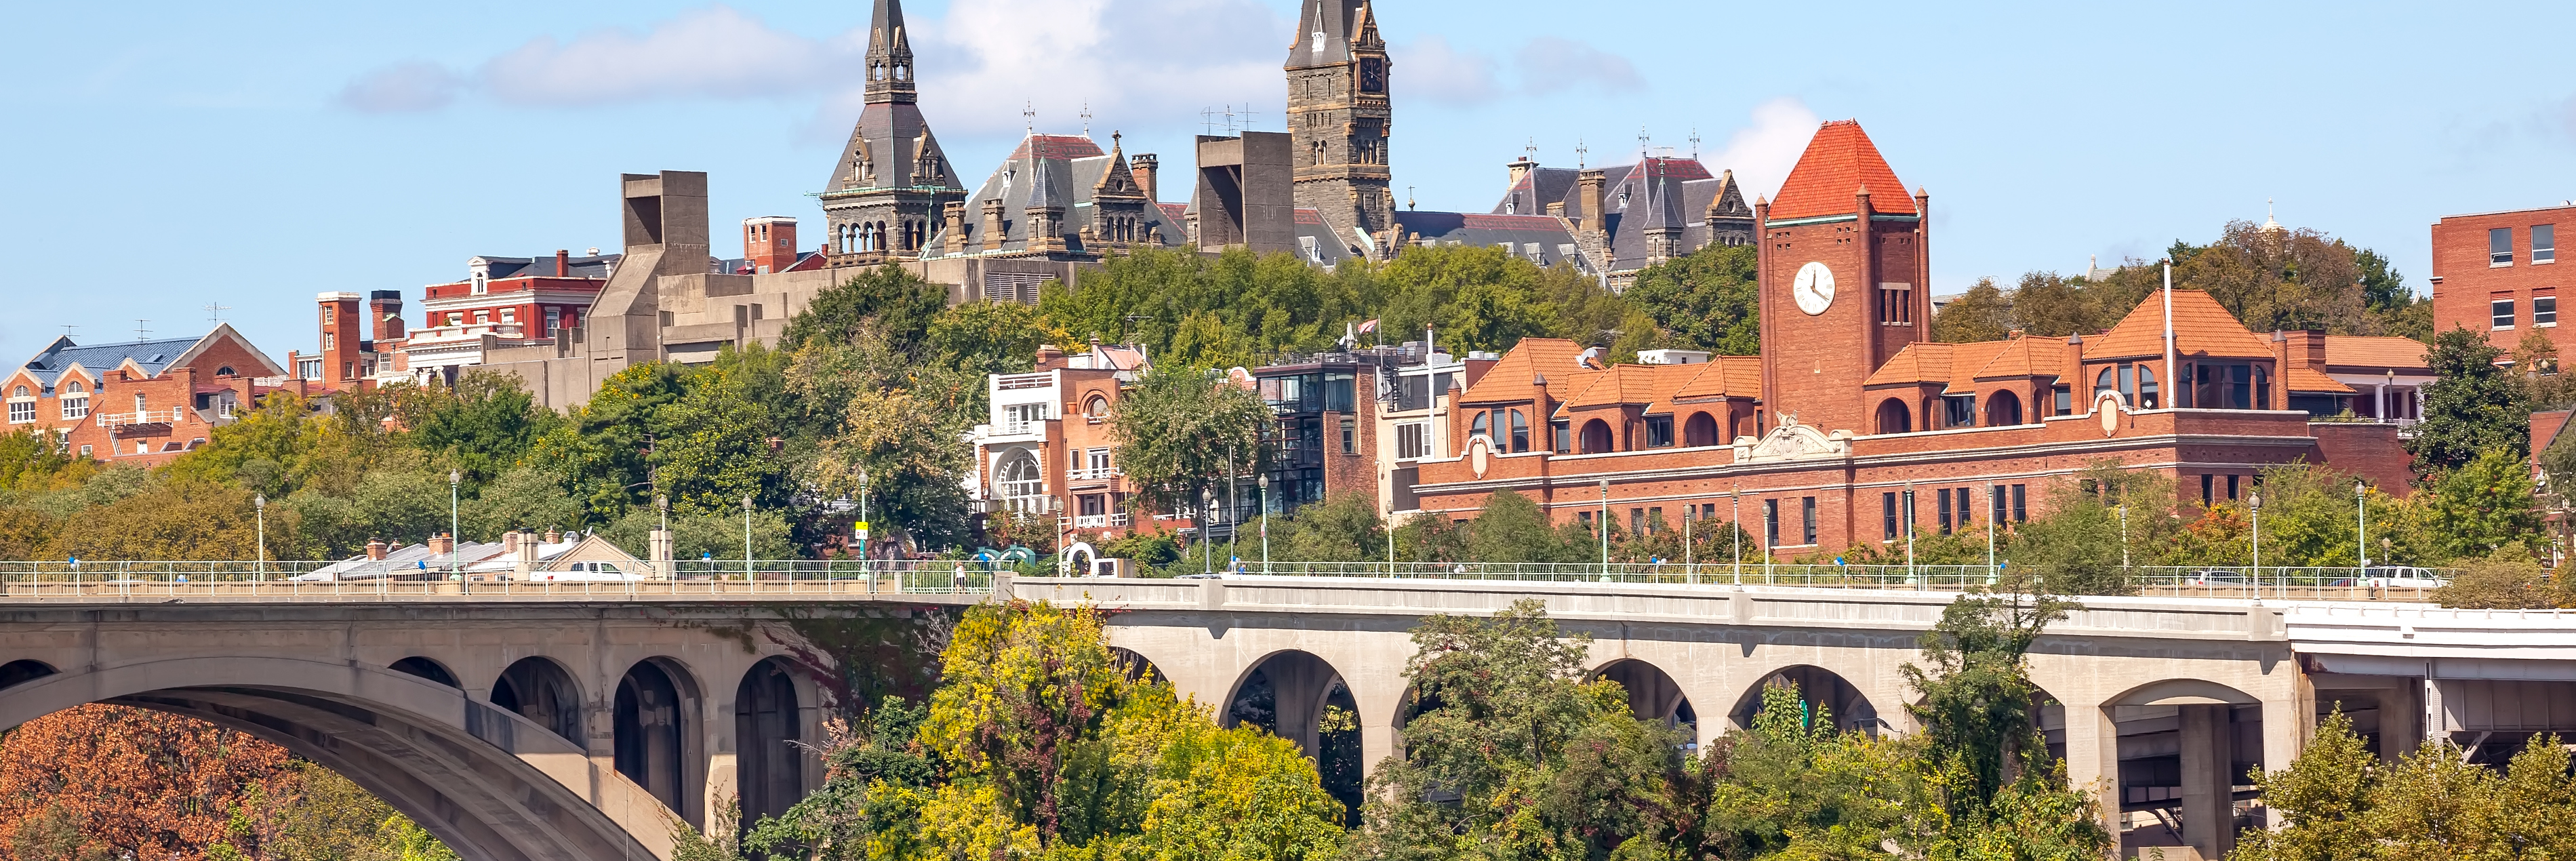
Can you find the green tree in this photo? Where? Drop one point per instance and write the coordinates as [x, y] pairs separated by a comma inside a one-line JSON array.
[[1540, 763], [607, 446], [2471, 408], [2323, 799], [2508, 579], [2485, 504], [889, 298], [526, 497], [1480, 298], [1706, 300], [1512, 529], [1994, 792], [1342, 528], [1983, 313], [482, 426], [1178, 428], [2097, 525]]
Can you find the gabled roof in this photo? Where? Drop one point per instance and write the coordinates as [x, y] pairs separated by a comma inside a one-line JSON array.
[[2375, 351], [1839, 161], [1537, 238], [1509, 379], [152, 358], [2298, 377], [2202, 327], [1724, 376], [1920, 362], [1631, 384], [2022, 357]]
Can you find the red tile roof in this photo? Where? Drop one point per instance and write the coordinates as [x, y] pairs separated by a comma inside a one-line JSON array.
[[1838, 162], [1724, 376], [1635, 384], [2025, 357], [1509, 379], [1920, 362], [2202, 327], [2300, 378], [2375, 351]]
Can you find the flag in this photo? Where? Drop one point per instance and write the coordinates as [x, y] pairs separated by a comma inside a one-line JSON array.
[[1370, 326]]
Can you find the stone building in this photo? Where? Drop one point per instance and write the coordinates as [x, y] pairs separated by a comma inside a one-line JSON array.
[[1341, 119], [892, 183]]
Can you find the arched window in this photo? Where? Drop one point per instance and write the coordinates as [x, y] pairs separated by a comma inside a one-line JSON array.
[[2003, 409], [1095, 409], [1894, 417], [2148, 397], [19, 392], [1596, 437], [1480, 426], [1700, 430], [1520, 431], [1022, 486], [2107, 382]]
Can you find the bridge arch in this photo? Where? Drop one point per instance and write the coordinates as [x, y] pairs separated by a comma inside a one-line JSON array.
[[489, 783], [1138, 667], [767, 714], [1299, 696], [1652, 693], [1817, 687], [654, 734], [428, 669], [14, 673], [541, 690]]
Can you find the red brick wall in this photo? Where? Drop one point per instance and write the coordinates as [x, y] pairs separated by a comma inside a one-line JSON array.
[[2464, 281]]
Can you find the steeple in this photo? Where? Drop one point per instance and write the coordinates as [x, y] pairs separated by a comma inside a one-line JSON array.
[[1340, 117], [889, 56]]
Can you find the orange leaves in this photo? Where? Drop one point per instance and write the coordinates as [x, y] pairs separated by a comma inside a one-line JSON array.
[[129, 780]]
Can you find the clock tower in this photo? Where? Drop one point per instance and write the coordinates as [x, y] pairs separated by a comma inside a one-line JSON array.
[[1844, 277], [1339, 121]]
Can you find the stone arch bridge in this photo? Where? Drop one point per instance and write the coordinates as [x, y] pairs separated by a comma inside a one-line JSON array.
[[582, 726]]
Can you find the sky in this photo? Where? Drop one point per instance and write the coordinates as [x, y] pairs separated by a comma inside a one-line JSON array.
[[173, 156]]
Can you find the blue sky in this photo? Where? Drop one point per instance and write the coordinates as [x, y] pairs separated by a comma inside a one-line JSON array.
[[169, 156]]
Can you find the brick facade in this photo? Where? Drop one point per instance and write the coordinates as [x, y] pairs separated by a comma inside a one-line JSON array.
[[142, 403], [2502, 290]]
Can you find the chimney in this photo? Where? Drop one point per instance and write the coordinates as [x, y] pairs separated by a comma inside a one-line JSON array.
[[553, 537], [384, 314], [1049, 357], [510, 542], [1520, 169], [1143, 165], [442, 544], [993, 233], [526, 555], [955, 233], [342, 335], [563, 262], [1588, 196], [376, 549]]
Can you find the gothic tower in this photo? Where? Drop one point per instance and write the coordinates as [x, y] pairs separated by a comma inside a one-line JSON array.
[[1339, 121], [1843, 277], [892, 184]]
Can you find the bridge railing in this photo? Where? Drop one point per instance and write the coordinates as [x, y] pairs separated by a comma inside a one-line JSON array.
[[2238, 581], [300, 580]]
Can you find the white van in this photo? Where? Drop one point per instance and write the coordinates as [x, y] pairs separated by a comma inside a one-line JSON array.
[[586, 572]]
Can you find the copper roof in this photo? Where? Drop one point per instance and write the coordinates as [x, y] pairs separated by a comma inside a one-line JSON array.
[[2202, 327]]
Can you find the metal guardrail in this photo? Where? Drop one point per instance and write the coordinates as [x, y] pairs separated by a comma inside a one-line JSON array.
[[276, 581], [2160, 580]]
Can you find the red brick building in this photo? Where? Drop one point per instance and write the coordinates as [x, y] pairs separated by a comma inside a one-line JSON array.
[[1815, 445], [2496, 273], [139, 402]]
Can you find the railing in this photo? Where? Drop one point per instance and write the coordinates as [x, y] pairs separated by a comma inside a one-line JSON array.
[[277, 581], [1008, 382], [1090, 521], [2153, 580], [1093, 474], [174, 415]]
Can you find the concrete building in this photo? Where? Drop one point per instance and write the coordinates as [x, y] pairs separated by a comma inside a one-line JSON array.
[[2496, 273]]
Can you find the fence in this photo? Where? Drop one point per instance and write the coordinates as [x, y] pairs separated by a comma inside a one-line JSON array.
[[267, 581], [2164, 580]]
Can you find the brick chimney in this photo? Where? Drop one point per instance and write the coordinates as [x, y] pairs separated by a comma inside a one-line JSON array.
[[384, 314], [376, 549], [510, 542], [1143, 165], [769, 243], [442, 544], [954, 235], [553, 537], [563, 262]]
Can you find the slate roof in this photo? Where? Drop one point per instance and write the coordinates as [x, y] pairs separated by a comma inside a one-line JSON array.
[[2202, 327], [1839, 161], [1066, 169], [152, 357], [1338, 20], [2373, 351], [1470, 228], [1681, 188]]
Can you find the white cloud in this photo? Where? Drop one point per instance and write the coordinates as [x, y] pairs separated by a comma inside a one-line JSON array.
[[416, 86], [1549, 63], [714, 52], [1762, 153], [1147, 62], [1436, 71]]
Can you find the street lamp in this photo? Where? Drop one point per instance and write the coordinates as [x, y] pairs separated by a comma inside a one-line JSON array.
[[1264, 482], [746, 537], [2254, 504], [259, 505], [1207, 540], [1605, 530], [2361, 517], [455, 563]]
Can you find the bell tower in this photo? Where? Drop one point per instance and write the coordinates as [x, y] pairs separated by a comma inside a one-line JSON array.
[[1340, 120], [891, 187], [1844, 275]]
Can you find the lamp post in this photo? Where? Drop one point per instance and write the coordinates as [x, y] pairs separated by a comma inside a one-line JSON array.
[[1910, 575], [863, 529], [1605, 530], [1264, 482], [2361, 518], [455, 563], [2254, 504], [1690, 568], [1207, 537], [1735, 524], [746, 538], [259, 505]]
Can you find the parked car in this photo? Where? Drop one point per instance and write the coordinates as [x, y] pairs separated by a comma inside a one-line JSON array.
[[587, 572], [2215, 577]]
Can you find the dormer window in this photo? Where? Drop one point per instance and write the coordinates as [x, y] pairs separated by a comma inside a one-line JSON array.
[[482, 285]]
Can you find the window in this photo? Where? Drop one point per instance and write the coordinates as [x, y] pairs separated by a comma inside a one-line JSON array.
[[327, 315], [2147, 392], [2206, 499], [1091, 505], [1887, 514], [75, 401], [1520, 431], [1895, 304], [85, 452], [330, 341], [1807, 512], [1563, 431], [455, 318], [1659, 431], [2500, 246], [1995, 503], [2061, 400], [1412, 440], [1022, 486], [1636, 521], [2544, 243], [2544, 310], [1770, 523], [1481, 425], [2500, 313], [1584, 517], [138, 403], [1022, 418], [1944, 494], [2020, 505], [481, 317], [481, 285], [554, 319], [509, 315], [21, 411], [1099, 460], [1351, 434], [1959, 411], [2231, 486]]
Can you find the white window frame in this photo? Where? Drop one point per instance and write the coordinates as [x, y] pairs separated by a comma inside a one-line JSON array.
[[2506, 314], [2541, 319], [22, 410], [2544, 253]]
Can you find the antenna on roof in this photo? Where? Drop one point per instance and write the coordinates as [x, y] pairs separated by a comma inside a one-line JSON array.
[[1029, 115], [217, 312], [1408, 197], [1643, 140], [1530, 152], [1580, 151], [1250, 117], [1207, 121], [68, 327], [1694, 143], [139, 331], [1086, 118]]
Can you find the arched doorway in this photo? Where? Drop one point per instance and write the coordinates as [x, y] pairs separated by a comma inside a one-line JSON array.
[[1700, 430], [2003, 409], [1895, 417], [1820, 692], [539, 690], [769, 767], [1297, 696], [1652, 694], [648, 724], [1596, 436]]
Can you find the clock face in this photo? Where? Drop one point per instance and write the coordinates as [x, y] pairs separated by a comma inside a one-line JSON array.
[[1814, 289]]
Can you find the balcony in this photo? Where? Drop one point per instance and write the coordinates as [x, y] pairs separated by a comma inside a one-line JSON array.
[[1095, 474], [1091, 521], [162, 418]]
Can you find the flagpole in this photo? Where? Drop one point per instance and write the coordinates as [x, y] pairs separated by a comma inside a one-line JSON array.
[[2171, 383]]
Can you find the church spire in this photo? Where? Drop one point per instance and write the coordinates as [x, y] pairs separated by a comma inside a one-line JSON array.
[[889, 56]]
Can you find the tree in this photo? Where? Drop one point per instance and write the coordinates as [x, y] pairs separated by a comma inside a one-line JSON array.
[[1512, 529], [1983, 313], [2508, 579], [2472, 407], [2483, 505], [1994, 790], [527, 497], [481, 426], [1480, 298], [1177, 430], [2077, 547], [1510, 754], [1342, 528], [2322, 799], [1706, 300], [890, 298]]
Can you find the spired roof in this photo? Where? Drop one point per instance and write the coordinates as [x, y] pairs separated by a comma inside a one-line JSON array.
[[1839, 161], [2202, 327], [1326, 30], [1509, 379]]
